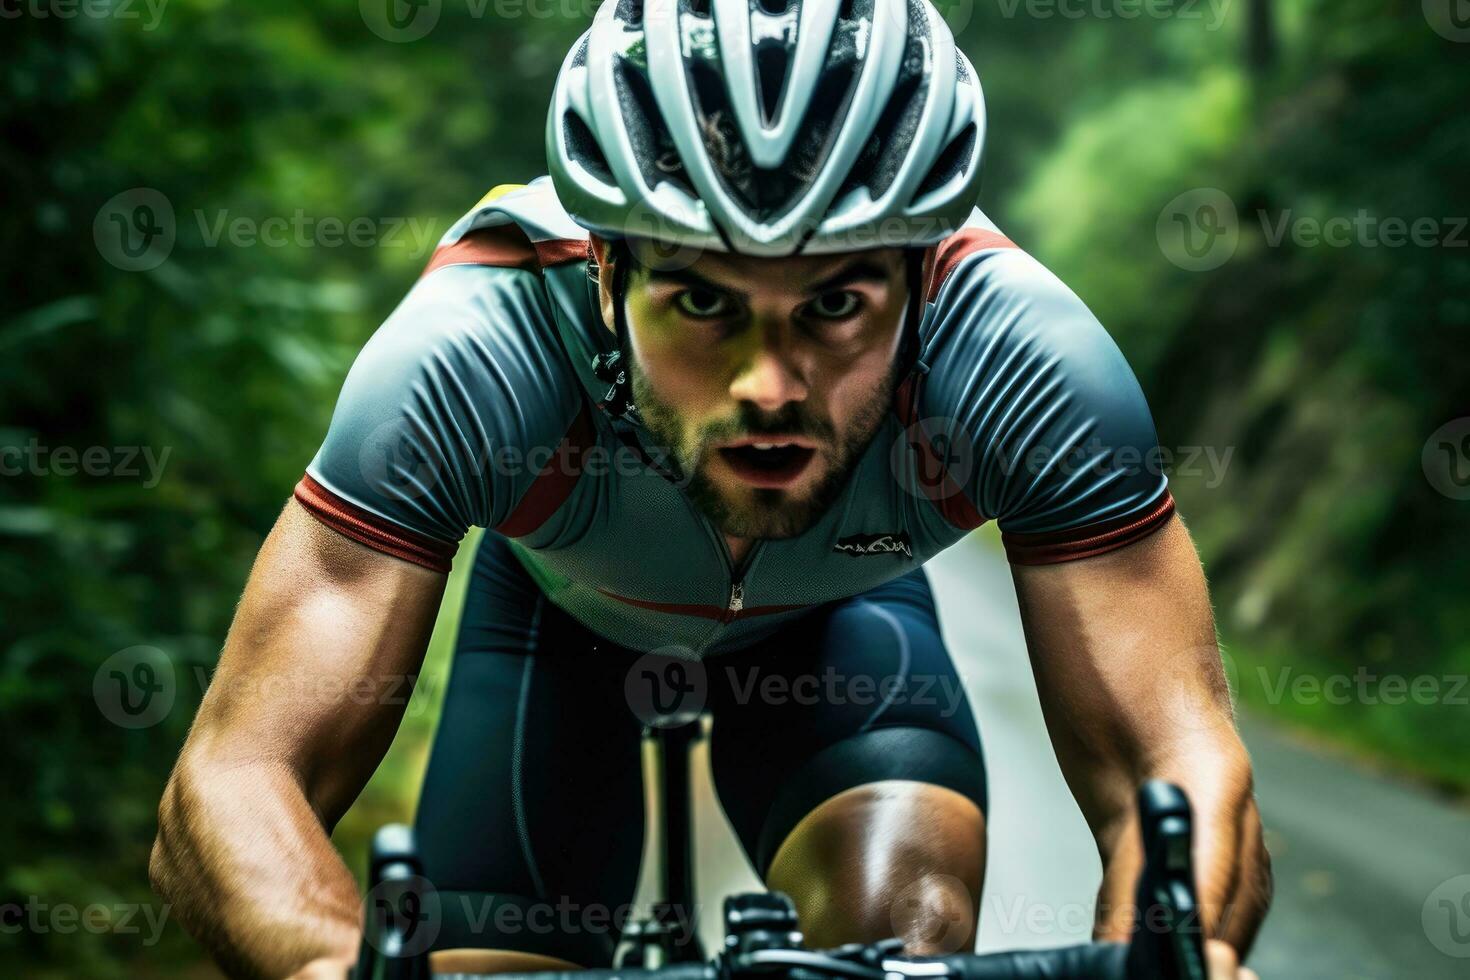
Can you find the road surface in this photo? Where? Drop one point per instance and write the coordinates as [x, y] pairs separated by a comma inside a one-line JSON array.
[[1358, 858]]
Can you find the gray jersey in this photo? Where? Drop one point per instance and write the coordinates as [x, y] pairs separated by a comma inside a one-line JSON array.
[[475, 405]]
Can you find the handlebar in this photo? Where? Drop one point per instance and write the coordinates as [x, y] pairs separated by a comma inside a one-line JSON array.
[[762, 939]]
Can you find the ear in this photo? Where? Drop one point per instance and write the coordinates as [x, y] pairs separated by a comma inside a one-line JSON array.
[[602, 250]]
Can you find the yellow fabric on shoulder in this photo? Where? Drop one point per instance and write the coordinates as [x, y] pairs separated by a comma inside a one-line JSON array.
[[497, 191]]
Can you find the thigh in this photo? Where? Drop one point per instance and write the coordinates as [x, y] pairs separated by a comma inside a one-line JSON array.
[[531, 816], [860, 692]]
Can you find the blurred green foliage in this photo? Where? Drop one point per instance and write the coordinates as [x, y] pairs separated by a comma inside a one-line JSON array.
[[1321, 370]]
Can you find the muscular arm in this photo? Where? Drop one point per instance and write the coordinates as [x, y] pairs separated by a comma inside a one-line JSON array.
[[305, 701], [1128, 669]]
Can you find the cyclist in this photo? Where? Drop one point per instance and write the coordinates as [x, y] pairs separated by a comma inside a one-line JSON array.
[[718, 387]]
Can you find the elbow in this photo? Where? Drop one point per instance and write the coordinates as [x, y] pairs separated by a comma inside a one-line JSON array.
[[162, 860]]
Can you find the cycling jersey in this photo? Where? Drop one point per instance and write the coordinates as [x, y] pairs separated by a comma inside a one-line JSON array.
[[475, 404]]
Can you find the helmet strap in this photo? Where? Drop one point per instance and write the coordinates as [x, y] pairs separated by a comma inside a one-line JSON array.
[[911, 346], [612, 367]]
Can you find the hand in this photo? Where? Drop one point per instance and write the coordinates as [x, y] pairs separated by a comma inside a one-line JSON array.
[[325, 969], [1224, 962]]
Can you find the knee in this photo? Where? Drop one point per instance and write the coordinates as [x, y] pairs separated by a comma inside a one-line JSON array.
[[895, 858]]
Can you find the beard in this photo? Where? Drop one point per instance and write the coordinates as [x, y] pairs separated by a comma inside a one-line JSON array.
[[760, 512]]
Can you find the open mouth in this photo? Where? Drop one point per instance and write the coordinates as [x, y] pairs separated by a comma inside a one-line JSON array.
[[769, 465]]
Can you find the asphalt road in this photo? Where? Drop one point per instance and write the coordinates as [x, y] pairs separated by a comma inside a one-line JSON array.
[[1368, 870]]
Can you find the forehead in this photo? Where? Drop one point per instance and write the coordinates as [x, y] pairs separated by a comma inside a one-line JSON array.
[[793, 274]]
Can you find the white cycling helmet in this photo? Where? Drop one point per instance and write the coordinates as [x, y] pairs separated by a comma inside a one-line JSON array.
[[768, 127]]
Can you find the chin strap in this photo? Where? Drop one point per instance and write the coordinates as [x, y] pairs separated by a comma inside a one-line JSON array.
[[911, 365], [612, 367]]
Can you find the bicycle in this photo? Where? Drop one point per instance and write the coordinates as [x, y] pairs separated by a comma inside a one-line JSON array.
[[762, 936]]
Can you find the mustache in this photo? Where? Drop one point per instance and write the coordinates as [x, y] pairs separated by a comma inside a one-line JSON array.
[[791, 420]]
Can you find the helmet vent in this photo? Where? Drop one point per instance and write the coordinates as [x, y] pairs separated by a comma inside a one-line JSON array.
[[766, 194], [770, 67], [773, 6], [950, 163], [879, 163], [699, 8], [630, 12], [653, 148], [582, 147]]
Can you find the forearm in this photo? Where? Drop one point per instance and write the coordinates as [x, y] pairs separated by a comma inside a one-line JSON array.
[[1233, 866], [248, 868]]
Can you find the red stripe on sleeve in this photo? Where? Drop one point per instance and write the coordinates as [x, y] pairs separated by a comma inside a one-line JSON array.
[[507, 247], [932, 479], [553, 485], [1054, 547], [364, 527], [956, 248]]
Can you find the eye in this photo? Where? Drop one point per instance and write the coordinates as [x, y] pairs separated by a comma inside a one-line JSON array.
[[836, 305], [704, 304]]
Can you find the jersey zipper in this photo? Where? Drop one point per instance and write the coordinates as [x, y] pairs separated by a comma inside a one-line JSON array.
[[735, 597], [737, 601]]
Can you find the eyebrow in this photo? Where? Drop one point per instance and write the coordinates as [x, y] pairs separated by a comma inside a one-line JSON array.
[[860, 270]]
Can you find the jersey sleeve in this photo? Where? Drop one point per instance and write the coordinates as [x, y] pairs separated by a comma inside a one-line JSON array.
[[1046, 428], [442, 416]]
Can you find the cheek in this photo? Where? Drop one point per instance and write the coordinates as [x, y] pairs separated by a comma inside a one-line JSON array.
[[856, 382], [857, 386], [678, 377]]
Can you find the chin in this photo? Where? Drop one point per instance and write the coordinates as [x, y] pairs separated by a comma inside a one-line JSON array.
[[750, 512]]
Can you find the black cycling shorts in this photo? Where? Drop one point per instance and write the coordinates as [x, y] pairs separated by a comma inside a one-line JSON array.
[[531, 818]]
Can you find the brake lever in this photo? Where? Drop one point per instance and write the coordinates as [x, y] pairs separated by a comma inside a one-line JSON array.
[[1168, 940]]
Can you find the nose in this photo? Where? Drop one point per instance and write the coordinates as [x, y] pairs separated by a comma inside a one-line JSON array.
[[770, 381]]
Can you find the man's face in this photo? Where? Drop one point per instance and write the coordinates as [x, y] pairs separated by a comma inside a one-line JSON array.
[[765, 378]]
